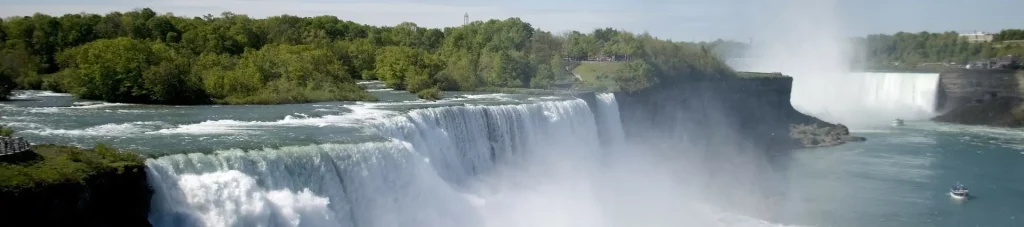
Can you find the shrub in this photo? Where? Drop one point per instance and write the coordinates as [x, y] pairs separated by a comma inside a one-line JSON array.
[[429, 94], [6, 131]]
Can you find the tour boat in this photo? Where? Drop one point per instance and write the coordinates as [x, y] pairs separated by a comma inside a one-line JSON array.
[[897, 122], [958, 191]]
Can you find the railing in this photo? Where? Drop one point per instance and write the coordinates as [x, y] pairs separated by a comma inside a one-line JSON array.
[[13, 145]]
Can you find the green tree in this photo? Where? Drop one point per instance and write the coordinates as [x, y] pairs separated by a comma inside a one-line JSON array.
[[406, 68], [110, 70]]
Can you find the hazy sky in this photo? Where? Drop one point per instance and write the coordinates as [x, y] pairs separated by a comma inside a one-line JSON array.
[[678, 19]]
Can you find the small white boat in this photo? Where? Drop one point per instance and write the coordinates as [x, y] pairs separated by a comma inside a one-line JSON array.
[[897, 122], [958, 191]]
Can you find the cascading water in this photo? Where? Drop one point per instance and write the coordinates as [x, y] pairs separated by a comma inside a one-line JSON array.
[[419, 178], [538, 165], [916, 93], [864, 99]]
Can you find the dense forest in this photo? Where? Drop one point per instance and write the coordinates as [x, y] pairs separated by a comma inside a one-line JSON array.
[[913, 49], [143, 57]]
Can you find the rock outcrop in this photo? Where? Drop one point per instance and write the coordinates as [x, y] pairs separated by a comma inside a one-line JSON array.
[[51, 185], [752, 111], [963, 87], [982, 97], [815, 135], [998, 112]]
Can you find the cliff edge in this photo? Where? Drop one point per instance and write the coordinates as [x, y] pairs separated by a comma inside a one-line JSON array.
[[982, 97], [755, 111], [51, 185]]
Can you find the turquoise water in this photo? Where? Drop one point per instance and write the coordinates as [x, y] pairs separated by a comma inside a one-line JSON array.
[[901, 177]]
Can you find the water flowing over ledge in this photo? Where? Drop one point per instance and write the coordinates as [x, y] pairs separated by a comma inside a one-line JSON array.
[[419, 178], [559, 163]]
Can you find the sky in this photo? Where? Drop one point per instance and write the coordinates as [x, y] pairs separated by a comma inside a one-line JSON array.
[[681, 20]]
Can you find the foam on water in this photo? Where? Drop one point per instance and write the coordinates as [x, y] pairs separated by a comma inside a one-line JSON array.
[[125, 129], [44, 110], [30, 94], [91, 105], [358, 114]]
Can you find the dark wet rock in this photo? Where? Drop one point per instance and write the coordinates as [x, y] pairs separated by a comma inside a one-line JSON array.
[[821, 135], [1006, 111]]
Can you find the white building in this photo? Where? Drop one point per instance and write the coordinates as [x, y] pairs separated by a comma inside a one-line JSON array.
[[977, 37]]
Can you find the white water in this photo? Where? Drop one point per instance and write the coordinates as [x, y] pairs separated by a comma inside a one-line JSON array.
[[818, 54], [865, 99], [519, 165]]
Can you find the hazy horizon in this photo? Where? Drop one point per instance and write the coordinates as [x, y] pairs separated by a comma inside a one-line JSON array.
[[687, 20]]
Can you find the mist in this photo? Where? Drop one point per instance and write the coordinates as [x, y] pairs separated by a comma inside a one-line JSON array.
[[807, 40]]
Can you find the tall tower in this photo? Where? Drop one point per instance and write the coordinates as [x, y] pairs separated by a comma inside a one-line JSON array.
[[465, 19]]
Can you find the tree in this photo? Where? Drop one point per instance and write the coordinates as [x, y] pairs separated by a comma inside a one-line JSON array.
[[635, 76], [406, 68], [110, 70]]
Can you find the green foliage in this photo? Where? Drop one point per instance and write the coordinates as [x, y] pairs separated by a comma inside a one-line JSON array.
[[429, 94], [129, 70], [65, 164], [17, 70], [141, 56], [406, 68], [909, 50], [6, 85], [635, 76], [600, 75], [1009, 34], [6, 131]]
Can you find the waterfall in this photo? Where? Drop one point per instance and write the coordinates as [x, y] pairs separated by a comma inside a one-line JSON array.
[[549, 164], [430, 173], [610, 122], [913, 92], [867, 98]]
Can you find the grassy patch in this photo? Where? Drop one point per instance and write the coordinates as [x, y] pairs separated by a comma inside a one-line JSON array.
[[54, 164], [6, 131], [760, 75], [600, 75]]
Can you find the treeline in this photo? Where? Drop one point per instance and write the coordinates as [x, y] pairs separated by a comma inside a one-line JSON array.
[[912, 49], [1009, 34], [143, 57]]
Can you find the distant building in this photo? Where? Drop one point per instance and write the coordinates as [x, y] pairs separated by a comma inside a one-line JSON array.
[[977, 37]]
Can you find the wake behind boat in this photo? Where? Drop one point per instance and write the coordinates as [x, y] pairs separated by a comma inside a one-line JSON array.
[[958, 191]]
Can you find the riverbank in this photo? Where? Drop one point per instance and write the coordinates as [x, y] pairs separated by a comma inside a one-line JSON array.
[[56, 185]]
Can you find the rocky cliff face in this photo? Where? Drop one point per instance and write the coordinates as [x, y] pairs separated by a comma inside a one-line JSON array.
[[964, 87], [981, 97], [754, 112], [53, 194]]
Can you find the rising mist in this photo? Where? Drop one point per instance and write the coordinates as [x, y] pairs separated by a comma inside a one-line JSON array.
[[808, 40]]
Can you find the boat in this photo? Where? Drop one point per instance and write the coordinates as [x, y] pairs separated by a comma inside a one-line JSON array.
[[897, 122], [958, 191]]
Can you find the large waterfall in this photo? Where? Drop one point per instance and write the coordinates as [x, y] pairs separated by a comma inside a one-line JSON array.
[[544, 164], [867, 98]]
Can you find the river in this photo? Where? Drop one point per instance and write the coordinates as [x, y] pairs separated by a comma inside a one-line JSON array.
[[478, 159]]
